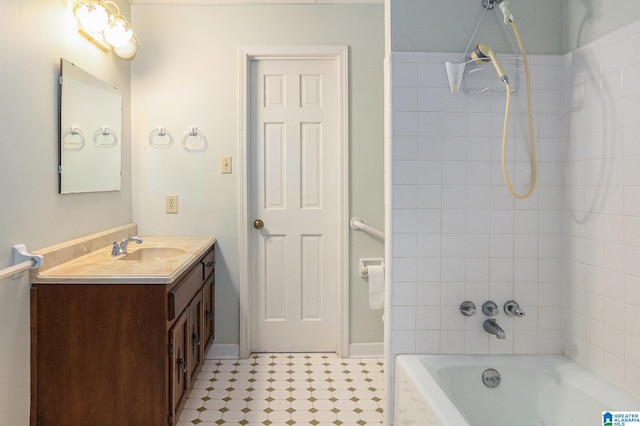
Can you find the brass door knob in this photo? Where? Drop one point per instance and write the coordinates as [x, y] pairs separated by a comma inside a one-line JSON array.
[[258, 224]]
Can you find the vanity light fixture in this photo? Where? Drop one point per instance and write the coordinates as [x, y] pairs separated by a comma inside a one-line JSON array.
[[101, 22]]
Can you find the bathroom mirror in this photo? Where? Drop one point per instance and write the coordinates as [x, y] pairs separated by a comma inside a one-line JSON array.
[[90, 132]]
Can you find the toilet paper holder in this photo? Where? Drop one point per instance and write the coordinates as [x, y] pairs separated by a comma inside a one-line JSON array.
[[365, 263]]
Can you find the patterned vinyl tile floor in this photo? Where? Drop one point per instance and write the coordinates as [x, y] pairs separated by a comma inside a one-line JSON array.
[[287, 389]]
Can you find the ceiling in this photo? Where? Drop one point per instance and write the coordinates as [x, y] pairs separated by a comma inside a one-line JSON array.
[[239, 2]]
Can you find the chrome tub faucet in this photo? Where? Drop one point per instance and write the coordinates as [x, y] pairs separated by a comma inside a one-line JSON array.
[[491, 326]]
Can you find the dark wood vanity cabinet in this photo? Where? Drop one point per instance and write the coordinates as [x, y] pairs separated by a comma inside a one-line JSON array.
[[119, 354]]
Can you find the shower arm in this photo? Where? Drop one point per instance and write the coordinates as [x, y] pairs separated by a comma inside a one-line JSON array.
[[489, 4], [504, 7]]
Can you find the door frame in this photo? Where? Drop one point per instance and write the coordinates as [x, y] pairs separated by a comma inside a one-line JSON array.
[[246, 55]]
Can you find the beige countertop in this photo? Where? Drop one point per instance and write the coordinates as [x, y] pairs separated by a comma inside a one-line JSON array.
[[100, 267]]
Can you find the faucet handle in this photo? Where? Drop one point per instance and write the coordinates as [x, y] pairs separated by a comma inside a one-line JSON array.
[[490, 308], [512, 308], [468, 308], [116, 249]]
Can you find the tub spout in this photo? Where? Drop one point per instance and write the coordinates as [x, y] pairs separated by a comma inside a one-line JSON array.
[[492, 327]]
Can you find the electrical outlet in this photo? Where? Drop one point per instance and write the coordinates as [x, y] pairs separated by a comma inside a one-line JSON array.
[[225, 165], [171, 204]]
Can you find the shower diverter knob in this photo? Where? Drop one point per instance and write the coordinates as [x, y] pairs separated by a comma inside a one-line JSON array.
[[512, 308]]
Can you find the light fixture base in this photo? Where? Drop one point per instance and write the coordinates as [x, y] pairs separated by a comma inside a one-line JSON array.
[[101, 23], [94, 38]]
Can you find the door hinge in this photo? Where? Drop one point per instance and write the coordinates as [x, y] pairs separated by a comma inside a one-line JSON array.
[[170, 420], [170, 350]]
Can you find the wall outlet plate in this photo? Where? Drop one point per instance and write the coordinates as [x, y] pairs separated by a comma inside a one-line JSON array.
[[171, 204]]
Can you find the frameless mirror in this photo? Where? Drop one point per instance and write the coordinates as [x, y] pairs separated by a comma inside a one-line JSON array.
[[90, 130]]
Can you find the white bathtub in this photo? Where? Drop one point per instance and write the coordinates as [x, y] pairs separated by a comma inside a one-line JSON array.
[[448, 390]]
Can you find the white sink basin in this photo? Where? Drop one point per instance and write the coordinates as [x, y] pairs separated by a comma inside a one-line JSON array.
[[153, 253]]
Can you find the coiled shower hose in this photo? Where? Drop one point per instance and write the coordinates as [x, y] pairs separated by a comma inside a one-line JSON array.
[[532, 147]]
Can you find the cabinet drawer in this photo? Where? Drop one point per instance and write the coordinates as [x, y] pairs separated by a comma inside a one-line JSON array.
[[181, 295], [208, 263]]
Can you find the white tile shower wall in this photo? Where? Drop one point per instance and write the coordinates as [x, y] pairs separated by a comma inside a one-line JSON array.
[[457, 234], [601, 265]]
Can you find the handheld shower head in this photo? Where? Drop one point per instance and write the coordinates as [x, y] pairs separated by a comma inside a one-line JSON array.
[[485, 53]]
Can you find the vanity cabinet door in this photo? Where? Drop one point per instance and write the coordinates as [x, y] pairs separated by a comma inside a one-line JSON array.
[[196, 344], [208, 300], [99, 355], [179, 363]]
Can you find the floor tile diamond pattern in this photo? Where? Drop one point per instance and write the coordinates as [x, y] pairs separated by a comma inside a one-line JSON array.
[[287, 389]]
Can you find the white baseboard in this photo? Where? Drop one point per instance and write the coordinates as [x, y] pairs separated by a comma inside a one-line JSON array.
[[356, 350], [366, 350], [223, 351]]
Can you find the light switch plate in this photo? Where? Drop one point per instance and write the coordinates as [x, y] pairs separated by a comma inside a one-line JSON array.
[[225, 165]]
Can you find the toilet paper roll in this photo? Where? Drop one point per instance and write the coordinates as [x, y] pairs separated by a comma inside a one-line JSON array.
[[376, 286]]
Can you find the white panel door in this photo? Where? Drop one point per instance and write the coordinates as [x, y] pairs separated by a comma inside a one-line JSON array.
[[295, 191]]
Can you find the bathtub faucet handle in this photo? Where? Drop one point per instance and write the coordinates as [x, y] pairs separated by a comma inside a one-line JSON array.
[[468, 308], [490, 308], [512, 308]]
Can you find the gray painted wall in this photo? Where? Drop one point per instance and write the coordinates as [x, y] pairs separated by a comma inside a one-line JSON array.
[[187, 74], [33, 38], [587, 20], [447, 26], [547, 26]]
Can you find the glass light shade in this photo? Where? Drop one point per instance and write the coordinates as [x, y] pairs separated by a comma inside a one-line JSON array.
[[118, 32], [127, 51], [92, 15]]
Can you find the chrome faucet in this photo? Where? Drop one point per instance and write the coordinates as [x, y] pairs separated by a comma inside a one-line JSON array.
[[492, 327], [121, 248]]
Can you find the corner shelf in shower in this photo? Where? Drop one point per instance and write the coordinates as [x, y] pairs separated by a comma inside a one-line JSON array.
[[481, 79]]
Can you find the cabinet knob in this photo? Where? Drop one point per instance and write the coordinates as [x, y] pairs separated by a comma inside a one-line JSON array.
[[209, 264]]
